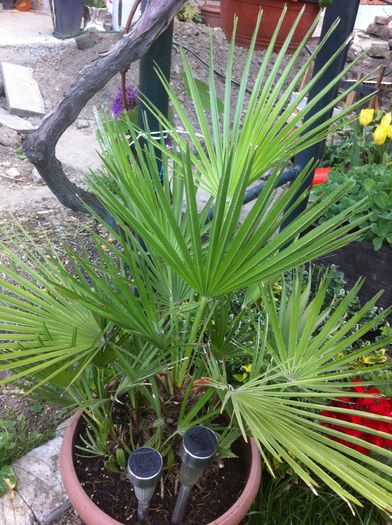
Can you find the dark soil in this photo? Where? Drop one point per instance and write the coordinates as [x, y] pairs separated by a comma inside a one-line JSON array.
[[215, 493]]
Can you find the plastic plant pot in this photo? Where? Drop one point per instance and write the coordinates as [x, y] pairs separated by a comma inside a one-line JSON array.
[[90, 514], [248, 10], [211, 15], [68, 16]]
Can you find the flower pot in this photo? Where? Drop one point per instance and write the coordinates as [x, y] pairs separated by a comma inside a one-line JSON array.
[[97, 17], [92, 515], [211, 15], [8, 4], [248, 10], [67, 17]]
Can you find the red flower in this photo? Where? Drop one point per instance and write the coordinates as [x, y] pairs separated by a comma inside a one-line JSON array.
[[374, 405], [321, 176]]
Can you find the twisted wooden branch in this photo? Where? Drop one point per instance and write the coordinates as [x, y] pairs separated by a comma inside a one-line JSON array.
[[40, 145]]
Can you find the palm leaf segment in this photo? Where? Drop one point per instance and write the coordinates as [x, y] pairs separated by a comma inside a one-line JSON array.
[[313, 354]]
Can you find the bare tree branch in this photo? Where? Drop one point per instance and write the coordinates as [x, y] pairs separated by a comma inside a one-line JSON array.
[[40, 145]]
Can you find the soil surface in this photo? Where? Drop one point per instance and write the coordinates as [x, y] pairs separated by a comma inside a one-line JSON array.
[[217, 489]]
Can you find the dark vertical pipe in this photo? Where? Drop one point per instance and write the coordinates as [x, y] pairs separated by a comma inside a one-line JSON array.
[[347, 11], [159, 55]]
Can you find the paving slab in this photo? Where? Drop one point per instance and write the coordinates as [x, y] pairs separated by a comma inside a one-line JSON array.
[[22, 92], [28, 29], [15, 122], [77, 149], [39, 481], [14, 511]]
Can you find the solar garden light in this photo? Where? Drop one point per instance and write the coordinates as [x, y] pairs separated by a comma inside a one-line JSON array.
[[144, 469], [198, 448]]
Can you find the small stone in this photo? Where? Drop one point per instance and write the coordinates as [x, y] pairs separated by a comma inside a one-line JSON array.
[[87, 40], [82, 124], [35, 176], [9, 137], [378, 50], [13, 173], [384, 32], [382, 20], [15, 122]]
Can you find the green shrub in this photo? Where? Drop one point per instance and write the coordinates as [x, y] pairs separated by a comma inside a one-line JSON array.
[[372, 182]]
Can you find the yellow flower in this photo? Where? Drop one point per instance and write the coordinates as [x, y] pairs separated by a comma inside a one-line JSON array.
[[386, 120], [366, 116], [380, 135]]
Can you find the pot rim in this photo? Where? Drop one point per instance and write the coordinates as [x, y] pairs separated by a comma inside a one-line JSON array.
[[88, 510]]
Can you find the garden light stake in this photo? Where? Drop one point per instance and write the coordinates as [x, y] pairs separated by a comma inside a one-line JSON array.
[[144, 469], [198, 448]]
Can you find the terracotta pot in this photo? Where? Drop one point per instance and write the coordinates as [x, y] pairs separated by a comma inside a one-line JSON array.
[[248, 10], [92, 515], [211, 15]]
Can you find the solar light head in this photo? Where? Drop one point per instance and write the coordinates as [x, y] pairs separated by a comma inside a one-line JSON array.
[[144, 469], [198, 448]]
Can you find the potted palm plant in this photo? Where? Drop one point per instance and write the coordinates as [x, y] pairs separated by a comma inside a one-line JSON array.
[[247, 11], [144, 339]]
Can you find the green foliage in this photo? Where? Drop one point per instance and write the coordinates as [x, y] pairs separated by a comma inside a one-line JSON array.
[[373, 182], [101, 4], [15, 441], [354, 145], [286, 500], [152, 317], [189, 12]]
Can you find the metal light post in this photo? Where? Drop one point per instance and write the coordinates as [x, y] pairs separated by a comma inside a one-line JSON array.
[[198, 448], [144, 469]]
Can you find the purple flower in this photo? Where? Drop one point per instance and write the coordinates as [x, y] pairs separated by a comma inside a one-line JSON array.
[[131, 97]]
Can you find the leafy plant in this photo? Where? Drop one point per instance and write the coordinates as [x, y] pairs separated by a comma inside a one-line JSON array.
[[373, 182], [152, 319], [100, 4], [362, 142], [189, 11]]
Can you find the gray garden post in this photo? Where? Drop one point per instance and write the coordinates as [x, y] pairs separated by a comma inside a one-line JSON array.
[[347, 11]]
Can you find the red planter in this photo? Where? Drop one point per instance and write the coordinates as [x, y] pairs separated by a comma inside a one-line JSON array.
[[248, 10], [90, 514], [211, 14]]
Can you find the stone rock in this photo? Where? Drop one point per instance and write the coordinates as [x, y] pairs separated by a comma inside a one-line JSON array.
[[14, 511], [77, 150], [13, 173], [82, 124], [35, 176], [382, 20], [14, 122], [87, 40], [9, 137], [39, 480], [384, 32], [378, 50]]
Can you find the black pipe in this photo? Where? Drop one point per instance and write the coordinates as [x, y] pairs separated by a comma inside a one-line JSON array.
[[347, 11], [252, 193]]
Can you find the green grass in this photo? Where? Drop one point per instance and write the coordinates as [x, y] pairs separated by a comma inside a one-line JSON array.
[[289, 501]]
